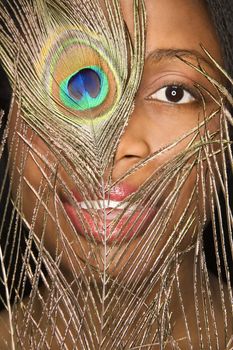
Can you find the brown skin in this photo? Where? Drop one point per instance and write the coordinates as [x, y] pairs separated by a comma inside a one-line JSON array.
[[152, 125]]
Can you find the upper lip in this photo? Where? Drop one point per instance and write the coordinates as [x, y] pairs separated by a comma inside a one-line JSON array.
[[117, 194]]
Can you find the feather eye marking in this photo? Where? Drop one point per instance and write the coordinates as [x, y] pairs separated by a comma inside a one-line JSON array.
[[85, 89], [81, 76]]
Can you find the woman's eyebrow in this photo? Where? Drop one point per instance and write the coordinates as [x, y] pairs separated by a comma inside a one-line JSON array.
[[159, 54]]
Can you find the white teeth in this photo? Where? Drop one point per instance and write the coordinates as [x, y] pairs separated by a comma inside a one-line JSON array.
[[103, 204]]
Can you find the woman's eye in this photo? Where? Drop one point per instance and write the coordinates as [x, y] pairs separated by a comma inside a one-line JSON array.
[[173, 94]]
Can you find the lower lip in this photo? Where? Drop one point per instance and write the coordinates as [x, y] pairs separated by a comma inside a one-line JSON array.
[[103, 230]]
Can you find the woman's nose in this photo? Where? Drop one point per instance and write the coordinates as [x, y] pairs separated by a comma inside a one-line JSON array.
[[133, 146]]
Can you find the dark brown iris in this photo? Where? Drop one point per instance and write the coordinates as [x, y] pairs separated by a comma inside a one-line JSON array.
[[174, 93]]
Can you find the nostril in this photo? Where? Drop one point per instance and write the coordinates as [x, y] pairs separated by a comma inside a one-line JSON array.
[[131, 156]]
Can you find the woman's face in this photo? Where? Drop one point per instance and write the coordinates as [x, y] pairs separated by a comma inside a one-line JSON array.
[[168, 105]]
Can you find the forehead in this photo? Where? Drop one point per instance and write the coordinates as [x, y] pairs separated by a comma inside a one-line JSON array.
[[183, 24]]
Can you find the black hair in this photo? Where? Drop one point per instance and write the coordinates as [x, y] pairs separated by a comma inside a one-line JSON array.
[[222, 14]]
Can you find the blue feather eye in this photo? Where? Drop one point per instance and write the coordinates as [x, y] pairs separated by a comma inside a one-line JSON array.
[[85, 89], [83, 82]]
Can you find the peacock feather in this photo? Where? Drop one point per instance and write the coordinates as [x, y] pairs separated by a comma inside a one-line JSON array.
[[73, 274]]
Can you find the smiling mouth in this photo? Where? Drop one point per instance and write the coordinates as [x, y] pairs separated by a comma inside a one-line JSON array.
[[108, 221]]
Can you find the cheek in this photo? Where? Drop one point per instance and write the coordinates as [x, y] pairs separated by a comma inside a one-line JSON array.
[[31, 177], [27, 169], [33, 189], [163, 123]]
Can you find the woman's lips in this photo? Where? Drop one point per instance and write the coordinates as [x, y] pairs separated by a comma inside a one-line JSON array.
[[109, 220]]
